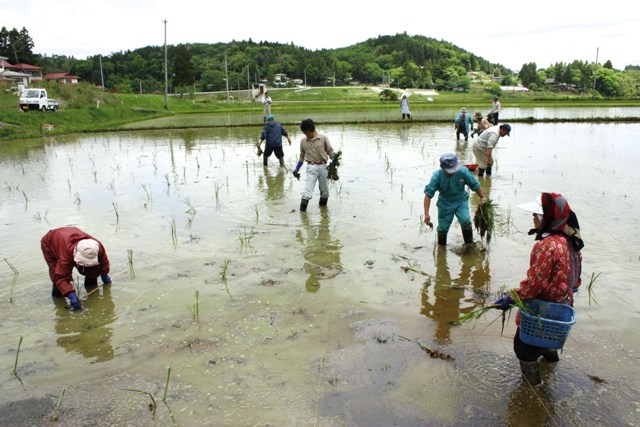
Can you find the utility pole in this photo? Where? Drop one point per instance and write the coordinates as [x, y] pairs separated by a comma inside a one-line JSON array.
[[595, 70], [166, 70], [101, 73], [248, 82], [226, 72]]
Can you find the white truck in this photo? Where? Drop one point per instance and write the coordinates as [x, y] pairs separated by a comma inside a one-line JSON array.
[[37, 99]]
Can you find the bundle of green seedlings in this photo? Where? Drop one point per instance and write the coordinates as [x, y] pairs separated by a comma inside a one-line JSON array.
[[333, 166], [480, 312], [484, 219]]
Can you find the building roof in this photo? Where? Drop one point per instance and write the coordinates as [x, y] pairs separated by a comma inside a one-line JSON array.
[[60, 75], [27, 67]]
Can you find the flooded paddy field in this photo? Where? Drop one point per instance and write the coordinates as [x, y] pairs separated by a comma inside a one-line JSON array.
[[230, 307]]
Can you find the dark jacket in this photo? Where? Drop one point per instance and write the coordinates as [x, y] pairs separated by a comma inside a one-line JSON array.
[[57, 248], [273, 132]]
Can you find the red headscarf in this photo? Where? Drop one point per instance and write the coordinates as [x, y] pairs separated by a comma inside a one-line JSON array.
[[559, 218]]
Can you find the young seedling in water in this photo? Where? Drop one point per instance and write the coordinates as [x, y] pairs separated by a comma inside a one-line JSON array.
[[132, 273], [55, 415], [257, 211], [164, 397], [225, 266], [152, 404], [592, 282], [15, 364], [174, 237], [115, 209], [77, 201], [195, 309]]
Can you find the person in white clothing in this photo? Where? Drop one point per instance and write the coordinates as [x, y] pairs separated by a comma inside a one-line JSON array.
[[266, 105]]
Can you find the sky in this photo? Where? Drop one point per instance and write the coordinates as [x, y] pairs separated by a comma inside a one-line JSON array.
[[504, 32]]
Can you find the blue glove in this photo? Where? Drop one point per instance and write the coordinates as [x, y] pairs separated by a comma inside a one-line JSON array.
[[298, 166], [106, 279], [575, 290], [503, 303], [75, 302]]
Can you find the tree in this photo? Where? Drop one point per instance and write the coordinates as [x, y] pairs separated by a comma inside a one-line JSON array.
[[17, 45], [529, 74], [182, 69]]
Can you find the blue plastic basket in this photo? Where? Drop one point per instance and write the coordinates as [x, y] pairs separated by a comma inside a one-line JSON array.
[[548, 325]]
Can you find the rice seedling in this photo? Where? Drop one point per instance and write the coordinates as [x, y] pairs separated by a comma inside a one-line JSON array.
[[15, 364], [115, 209], [11, 266], [166, 178], [174, 237], [26, 200], [195, 308], [148, 192], [77, 201], [164, 397], [592, 282], [334, 165], [257, 212], [152, 404], [245, 238], [484, 219], [55, 415], [132, 273], [69, 185], [217, 188], [191, 210], [225, 267]]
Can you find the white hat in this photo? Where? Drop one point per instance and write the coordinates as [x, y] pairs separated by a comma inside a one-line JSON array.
[[534, 207], [86, 253]]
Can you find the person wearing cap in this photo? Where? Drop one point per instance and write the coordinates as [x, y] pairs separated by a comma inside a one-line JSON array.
[[451, 181], [316, 150], [273, 132], [555, 267], [266, 105], [463, 122], [404, 106], [482, 124], [495, 110], [68, 247], [484, 145]]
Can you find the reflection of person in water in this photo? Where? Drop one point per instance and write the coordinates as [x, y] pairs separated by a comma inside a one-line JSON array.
[[274, 183], [448, 293], [321, 253], [89, 333]]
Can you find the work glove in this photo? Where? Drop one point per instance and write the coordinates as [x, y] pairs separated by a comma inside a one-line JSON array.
[[296, 172], [105, 279], [75, 302], [503, 303], [575, 290]]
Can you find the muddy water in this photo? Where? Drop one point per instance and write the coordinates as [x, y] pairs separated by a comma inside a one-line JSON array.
[[266, 316]]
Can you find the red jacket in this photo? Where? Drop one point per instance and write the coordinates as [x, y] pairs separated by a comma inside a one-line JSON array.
[[57, 248]]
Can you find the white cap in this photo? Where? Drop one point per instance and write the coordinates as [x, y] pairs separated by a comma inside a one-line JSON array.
[[86, 253]]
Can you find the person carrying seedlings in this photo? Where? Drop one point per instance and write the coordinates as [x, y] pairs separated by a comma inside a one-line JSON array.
[[316, 150], [273, 132], [68, 247], [482, 124], [462, 124], [554, 272], [451, 181], [484, 145], [404, 106]]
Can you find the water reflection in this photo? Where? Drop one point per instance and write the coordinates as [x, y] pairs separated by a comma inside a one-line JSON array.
[[87, 332], [444, 305], [321, 251], [274, 183]]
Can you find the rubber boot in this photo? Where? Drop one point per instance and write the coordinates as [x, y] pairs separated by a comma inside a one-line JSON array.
[[442, 239], [531, 373], [323, 201], [281, 163], [480, 172], [488, 170], [55, 292], [467, 234], [303, 205], [551, 356]]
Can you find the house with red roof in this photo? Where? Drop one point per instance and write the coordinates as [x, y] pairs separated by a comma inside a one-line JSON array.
[[62, 77]]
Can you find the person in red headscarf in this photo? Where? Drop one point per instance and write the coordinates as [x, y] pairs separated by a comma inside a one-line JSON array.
[[554, 271]]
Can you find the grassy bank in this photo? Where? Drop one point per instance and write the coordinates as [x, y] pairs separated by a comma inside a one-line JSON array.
[[88, 109]]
